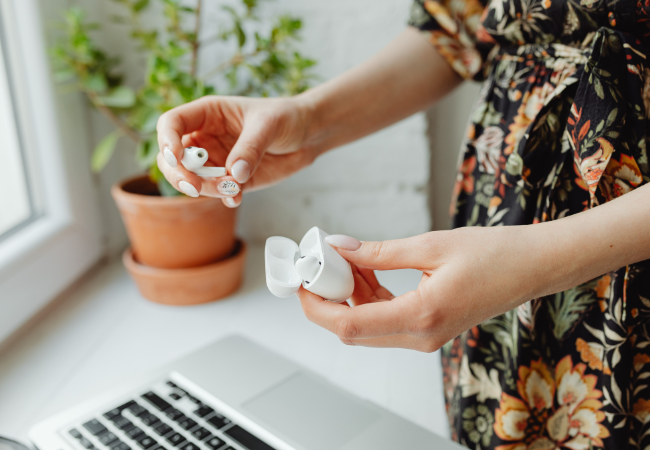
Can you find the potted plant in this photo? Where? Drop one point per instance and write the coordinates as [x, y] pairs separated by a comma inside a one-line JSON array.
[[177, 242]]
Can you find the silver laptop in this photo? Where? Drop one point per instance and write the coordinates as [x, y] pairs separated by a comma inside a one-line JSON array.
[[231, 395]]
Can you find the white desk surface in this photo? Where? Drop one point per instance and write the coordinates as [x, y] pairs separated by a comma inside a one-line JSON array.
[[105, 331]]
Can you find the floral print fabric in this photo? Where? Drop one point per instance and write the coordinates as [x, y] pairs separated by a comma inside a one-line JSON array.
[[560, 126]]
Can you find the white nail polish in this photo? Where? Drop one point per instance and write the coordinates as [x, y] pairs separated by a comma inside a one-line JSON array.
[[231, 202], [188, 189], [169, 157], [228, 187], [241, 170]]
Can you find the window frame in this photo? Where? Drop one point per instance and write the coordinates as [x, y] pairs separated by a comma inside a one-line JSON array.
[[64, 238]]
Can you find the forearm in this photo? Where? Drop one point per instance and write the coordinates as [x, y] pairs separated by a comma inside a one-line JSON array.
[[405, 77], [586, 245]]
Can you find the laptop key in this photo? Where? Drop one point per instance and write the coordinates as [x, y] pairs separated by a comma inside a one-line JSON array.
[[86, 443], [194, 400], [134, 432], [246, 439], [171, 384], [176, 439], [190, 446], [163, 429], [145, 441], [157, 401], [149, 419], [75, 433], [175, 396], [214, 443], [218, 421], [204, 411], [95, 427], [119, 445], [174, 414], [187, 423], [124, 424], [113, 414], [107, 439], [201, 433], [137, 409]]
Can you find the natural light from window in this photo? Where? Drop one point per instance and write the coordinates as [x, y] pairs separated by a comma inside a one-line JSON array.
[[15, 203]]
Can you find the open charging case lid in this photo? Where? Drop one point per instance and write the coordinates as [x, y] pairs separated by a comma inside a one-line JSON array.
[[333, 280], [280, 256]]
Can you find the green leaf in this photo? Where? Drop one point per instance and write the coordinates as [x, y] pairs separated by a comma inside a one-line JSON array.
[[140, 5], [120, 97], [611, 117], [598, 87], [241, 36], [96, 83], [104, 151]]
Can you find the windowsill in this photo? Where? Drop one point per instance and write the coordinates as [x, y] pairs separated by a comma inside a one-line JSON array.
[[104, 331]]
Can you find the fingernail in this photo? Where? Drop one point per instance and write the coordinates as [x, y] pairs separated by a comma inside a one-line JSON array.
[[169, 157], [241, 170], [231, 202], [188, 189], [228, 187], [344, 242]]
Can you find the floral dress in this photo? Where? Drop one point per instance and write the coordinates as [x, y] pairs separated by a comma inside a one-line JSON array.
[[560, 126]]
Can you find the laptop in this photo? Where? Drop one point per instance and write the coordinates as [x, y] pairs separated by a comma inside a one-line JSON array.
[[231, 395]]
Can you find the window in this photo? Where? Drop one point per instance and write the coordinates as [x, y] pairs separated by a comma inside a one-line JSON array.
[[15, 196], [49, 227]]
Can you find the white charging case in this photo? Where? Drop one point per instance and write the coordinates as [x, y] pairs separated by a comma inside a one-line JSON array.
[[334, 280]]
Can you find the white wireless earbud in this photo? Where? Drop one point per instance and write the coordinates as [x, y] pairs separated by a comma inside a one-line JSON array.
[[193, 160], [308, 267]]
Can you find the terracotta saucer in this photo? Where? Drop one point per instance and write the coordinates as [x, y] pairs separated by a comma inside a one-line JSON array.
[[182, 287]]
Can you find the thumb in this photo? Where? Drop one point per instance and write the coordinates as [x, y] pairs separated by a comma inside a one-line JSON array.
[[409, 253], [249, 149]]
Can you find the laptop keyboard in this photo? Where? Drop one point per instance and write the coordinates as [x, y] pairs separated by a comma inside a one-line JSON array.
[[165, 418]]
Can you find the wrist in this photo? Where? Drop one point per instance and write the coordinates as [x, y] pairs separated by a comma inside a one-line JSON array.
[[310, 110]]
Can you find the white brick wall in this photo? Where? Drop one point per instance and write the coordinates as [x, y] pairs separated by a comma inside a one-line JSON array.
[[372, 189]]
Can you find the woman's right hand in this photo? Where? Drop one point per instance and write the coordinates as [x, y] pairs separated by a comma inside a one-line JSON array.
[[259, 141]]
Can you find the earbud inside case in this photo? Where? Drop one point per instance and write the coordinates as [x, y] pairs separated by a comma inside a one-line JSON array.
[[333, 278]]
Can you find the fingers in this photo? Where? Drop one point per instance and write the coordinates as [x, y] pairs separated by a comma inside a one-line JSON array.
[[249, 148], [182, 179], [176, 123], [233, 202], [411, 253], [370, 278], [365, 291], [367, 320]]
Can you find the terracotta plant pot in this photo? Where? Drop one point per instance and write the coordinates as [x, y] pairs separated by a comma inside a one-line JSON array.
[[192, 286], [174, 232]]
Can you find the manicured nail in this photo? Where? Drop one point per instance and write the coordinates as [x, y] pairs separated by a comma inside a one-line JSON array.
[[188, 189], [241, 170], [169, 157], [228, 187], [231, 202], [344, 242]]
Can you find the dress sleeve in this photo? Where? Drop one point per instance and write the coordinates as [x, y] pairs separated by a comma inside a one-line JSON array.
[[454, 28]]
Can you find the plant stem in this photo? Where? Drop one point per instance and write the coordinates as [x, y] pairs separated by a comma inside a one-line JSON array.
[[237, 59], [196, 44], [110, 115]]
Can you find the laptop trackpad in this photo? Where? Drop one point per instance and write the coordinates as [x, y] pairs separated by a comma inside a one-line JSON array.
[[312, 413]]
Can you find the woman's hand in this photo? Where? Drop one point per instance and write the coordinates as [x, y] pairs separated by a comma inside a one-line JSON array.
[[262, 141], [467, 277], [259, 141]]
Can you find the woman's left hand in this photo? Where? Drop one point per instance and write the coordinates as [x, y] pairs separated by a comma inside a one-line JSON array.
[[468, 275]]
